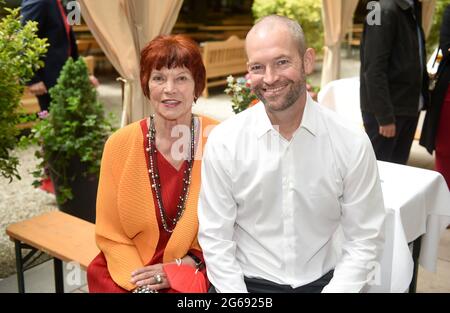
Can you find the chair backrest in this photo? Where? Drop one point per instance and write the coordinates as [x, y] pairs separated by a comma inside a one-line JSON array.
[[90, 63], [223, 58], [342, 96]]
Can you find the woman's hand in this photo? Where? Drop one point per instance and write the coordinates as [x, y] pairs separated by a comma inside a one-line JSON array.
[[152, 276]]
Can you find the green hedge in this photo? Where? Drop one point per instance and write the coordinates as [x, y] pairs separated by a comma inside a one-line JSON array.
[[433, 39], [307, 12]]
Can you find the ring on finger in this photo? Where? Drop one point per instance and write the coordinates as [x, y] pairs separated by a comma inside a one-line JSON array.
[[158, 278]]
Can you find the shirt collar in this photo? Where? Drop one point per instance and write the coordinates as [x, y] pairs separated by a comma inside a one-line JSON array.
[[309, 122], [262, 121]]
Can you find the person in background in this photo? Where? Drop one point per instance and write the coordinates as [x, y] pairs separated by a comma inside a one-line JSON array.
[[436, 128], [393, 76], [150, 177], [280, 178], [53, 25]]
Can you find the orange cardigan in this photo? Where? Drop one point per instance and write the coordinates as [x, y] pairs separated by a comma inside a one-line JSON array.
[[126, 226]]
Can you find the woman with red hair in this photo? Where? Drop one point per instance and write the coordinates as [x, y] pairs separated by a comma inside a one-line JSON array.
[[150, 179]]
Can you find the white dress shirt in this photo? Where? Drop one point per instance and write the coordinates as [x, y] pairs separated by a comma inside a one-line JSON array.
[[269, 208]]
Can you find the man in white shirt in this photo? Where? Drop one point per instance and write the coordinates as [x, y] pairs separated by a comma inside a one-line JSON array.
[[280, 178]]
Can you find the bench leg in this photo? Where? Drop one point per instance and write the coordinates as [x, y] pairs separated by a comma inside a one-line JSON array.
[[19, 266], [415, 254], [59, 280]]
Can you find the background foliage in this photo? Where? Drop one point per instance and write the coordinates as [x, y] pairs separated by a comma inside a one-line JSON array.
[[433, 39], [307, 12], [75, 128], [241, 95], [20, 50]]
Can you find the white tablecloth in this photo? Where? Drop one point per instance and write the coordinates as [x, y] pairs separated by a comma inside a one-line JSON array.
[[342, 96], [420, 200], [417, 201]]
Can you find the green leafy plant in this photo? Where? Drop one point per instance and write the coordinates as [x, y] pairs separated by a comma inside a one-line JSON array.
[[76, 128], [433, 39], [313, 90], [241, 95], [20, 52], [307, 12]]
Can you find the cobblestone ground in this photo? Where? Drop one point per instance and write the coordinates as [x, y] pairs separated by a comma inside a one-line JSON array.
[[19, 200]]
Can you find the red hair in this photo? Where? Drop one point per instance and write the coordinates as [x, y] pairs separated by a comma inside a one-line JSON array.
[[172, 51]]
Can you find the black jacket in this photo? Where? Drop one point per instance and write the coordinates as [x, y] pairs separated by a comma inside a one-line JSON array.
[[391, 75], [50, 26], [431, 122]]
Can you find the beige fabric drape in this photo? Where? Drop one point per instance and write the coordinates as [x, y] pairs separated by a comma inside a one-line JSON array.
[[337, 18], [428, 7], [122, 28]]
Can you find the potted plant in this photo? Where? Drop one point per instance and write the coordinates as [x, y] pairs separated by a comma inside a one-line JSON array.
[[72, 136], [241, 95], [20, 50]]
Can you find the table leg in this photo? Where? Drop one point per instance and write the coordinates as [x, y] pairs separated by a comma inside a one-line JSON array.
[[59, 279], [19, 266], [415, 254]]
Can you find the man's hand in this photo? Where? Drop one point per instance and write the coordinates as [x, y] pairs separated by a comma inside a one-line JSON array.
[[38, 89], [387, 130], [94, 81]]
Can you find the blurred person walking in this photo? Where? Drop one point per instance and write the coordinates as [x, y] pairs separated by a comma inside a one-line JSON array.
[[436, 128], [394, 80]]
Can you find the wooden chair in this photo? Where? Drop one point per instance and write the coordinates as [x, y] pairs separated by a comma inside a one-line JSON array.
[[223, 58]]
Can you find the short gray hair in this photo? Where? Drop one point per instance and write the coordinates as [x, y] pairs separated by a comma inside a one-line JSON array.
[[293, 26]]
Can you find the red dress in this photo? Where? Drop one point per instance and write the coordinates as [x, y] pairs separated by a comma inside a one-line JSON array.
[[443, 140], [99, 279]]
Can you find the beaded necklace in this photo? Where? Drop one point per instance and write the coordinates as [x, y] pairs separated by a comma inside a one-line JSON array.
[[155, 179]]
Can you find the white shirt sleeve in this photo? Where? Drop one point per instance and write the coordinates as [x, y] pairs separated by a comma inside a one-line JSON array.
[[362, 222], [217, 215]]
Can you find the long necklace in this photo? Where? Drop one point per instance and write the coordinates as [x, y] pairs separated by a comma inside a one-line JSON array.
[[167, 223]]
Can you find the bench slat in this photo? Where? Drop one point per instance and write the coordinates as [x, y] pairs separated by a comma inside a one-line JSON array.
[[61, 235], [223, 58]]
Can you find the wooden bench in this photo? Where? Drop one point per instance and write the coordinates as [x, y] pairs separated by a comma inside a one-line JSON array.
[[223, 58], [353, 37], [29, 104], [60, 235]]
